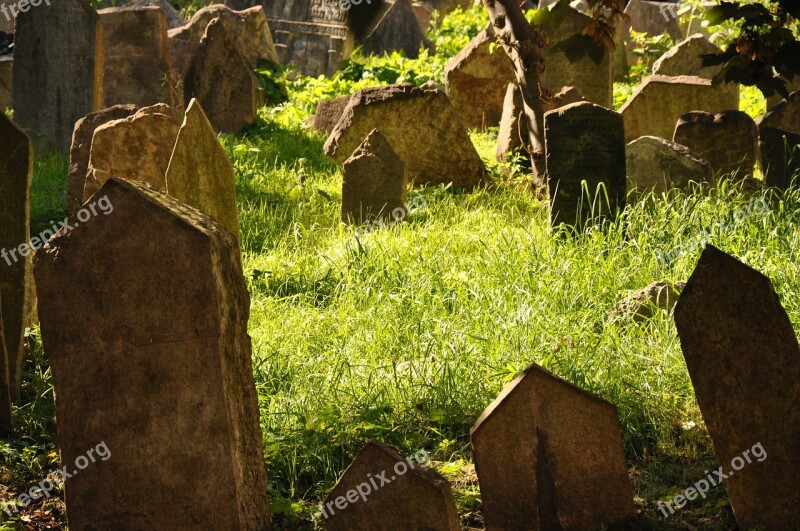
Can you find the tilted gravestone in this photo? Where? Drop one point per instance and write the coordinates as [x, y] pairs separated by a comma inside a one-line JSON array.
[[396, 29], [328, 114], [137, 148], [58, 70], [780, 157], [420, 124], [594, 80], [374, 182], [785, 115], [248, 28], [744, 362], [16, 173], [549, 456], [658, 103], [685, 59], [585, 152], [199, 172], [6, 81], [383, 490], [728, 140], [137, 61], [150, 355], [476, 81], [222, 81], [510, 136], [657, 165], [81, 149]]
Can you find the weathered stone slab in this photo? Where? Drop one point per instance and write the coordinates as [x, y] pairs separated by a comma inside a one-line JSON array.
[[81, 149], [329, 112], [374, 183], [415, 497], [659, 101], [199, 172], [248, 28], [780, 156], [510, 136], [181, 54], [744, 362], [585, 150], [396, 29], [593, 80], [657, 165], [150, 355], [137, 148], [476, 81], [653, 18], [174, 18], [549, 456], [728, 140], [16, 173], [784, 116], [58, 70], [645, 303], [685, 59], [222, 81], [6, 81], [137, 61], [420, 124]]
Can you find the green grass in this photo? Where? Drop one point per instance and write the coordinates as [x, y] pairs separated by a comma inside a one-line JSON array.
[[406, 333]]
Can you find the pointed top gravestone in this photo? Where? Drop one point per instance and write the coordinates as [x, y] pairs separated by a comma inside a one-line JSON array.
[[137, 61], [144, 313], [222, 81], [16, 173], [58, 70], [549, 456], [744, 362], [383, 490], [199, 172]]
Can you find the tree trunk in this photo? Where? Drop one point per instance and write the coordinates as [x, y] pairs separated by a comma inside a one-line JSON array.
[[525, 46]]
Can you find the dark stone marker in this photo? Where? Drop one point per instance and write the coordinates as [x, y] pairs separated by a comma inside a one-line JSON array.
[[137, 60], [585, 148], [81, 149], [58, 70], [221, 80], [150, 355], [728, 140], [16, 172], [397, 28], [414, 497], [780, 156], [549, 456], [329, 112], [374, 182], [744, 362]]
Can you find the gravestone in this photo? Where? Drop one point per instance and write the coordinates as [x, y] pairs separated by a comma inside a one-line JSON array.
[[476, 81], [81, 147], [728, 140], [136, 148], [328, 114], [313, 35], [222, 81], [424, 14], [174, 18], [549, 456], [181, 54], [137, 62], [784, 116], [657, 165], [585, 152], [593, 80], [199, 172], [780, 156], [396, 29], [644, 304], [510, 136], [744, 362], [658, 103], [653, 18], [685, 59], [374, 182], [248, 28], [6, 81], [16, 173], [58, 70], [420, 124], [150, 355], [408, 495]]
